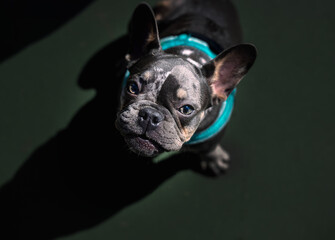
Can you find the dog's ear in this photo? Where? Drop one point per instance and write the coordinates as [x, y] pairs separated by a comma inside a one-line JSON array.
[[143, 33], [225, 71]]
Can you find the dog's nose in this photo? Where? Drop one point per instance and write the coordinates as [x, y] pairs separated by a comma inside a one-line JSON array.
[[150, 118]]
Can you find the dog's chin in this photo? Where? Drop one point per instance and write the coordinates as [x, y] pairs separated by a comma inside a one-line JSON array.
[[143, 146]]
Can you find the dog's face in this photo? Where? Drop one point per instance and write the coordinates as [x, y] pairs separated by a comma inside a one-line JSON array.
[[166, 96], [163, 103]]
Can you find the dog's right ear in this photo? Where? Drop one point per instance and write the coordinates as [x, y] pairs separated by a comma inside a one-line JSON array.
[[143, 33]]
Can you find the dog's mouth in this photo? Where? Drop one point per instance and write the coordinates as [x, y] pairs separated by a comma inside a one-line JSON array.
[[143, 145]]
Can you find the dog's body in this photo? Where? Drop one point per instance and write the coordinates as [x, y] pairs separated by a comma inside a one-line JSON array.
[[176, 91]]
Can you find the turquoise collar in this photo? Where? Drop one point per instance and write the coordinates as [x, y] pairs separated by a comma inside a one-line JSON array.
[[226, 107], [187, 40]]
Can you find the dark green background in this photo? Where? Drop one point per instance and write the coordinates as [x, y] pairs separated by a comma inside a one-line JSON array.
[[281, 135]]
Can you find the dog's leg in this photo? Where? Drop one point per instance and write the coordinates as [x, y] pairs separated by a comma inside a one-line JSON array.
[[215, 162]]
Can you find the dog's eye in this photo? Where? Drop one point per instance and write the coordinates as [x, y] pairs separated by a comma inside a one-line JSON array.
[[186, 110], [133, 88]]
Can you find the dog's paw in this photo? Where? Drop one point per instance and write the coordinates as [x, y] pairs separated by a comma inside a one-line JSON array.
[[215, 162]]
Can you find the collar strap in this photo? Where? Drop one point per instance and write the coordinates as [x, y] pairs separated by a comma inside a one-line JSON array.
[[226, 107], [187, 40]]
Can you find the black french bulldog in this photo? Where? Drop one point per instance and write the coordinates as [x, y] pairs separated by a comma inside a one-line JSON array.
[[181, 78]]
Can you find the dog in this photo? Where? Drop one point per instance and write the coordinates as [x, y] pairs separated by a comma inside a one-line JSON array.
[[184, 62]]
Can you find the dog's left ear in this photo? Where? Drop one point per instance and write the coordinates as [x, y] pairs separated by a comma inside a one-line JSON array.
[[225, 71], [143, 33]]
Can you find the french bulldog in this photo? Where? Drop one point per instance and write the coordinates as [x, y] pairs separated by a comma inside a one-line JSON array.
[[184, 62]]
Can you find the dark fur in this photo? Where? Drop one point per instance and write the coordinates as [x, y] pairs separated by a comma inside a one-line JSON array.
[[159, 74], [217, 20]]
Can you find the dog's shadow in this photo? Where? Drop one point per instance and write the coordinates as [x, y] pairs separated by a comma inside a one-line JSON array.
[[86, 173]]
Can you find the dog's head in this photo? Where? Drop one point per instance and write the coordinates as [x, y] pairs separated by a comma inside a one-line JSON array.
[[166, 96]]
